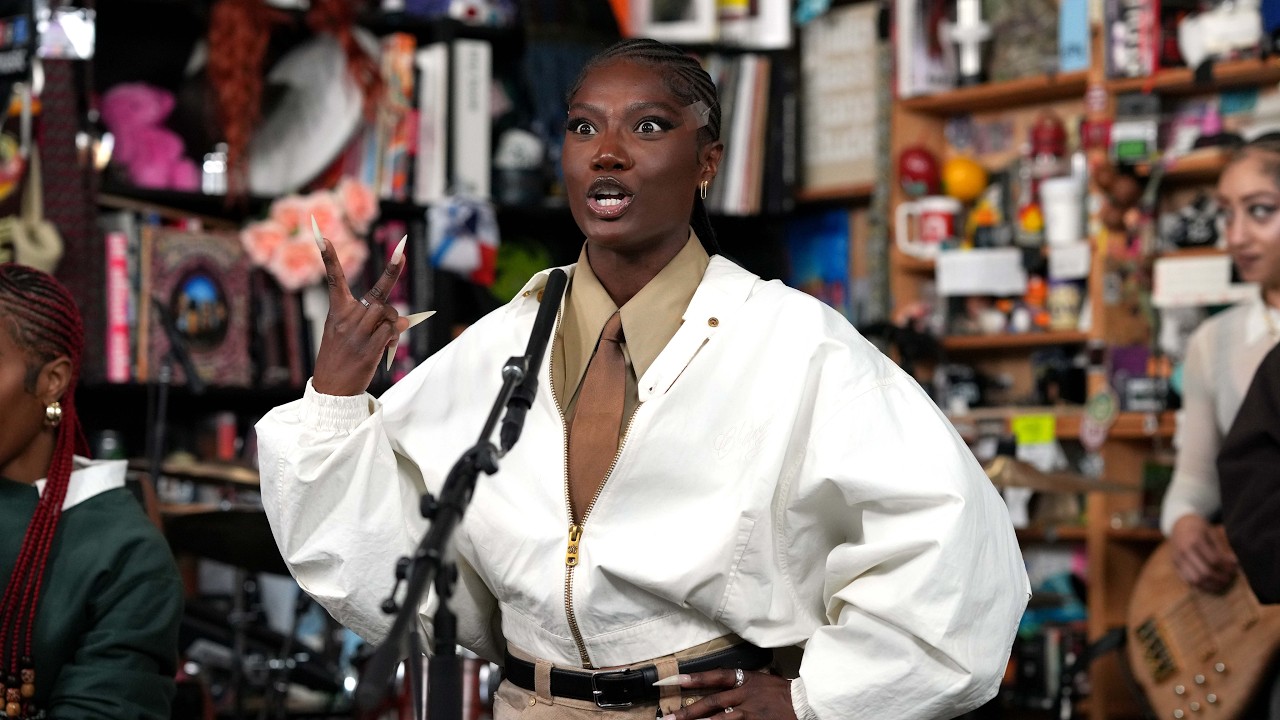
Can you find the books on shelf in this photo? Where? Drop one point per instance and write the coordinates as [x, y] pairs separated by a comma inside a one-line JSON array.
[[838, 55], [432, 137]]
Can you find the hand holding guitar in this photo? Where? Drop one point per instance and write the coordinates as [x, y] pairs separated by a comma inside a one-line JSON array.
[[356, 331], [1201, 554]]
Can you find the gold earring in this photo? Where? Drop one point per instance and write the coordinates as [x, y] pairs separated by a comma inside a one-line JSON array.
[[53, 414], [702, 189]]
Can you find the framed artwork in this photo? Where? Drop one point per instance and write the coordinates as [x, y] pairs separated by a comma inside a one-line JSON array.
[[675, 21]]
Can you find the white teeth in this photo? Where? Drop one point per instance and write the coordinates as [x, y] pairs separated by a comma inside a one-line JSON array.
[[609, 201]]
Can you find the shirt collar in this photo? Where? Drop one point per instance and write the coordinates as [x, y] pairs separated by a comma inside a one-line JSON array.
[[1262, 321], [90, 478], [649, 319]]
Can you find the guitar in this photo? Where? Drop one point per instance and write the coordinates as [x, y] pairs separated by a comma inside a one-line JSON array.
[[1197, 654]]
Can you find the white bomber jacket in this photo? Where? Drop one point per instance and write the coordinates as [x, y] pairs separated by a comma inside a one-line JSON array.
[[781, 479]]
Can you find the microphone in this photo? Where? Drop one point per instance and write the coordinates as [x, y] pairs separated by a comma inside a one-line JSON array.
[[178, 346], [522, 397]]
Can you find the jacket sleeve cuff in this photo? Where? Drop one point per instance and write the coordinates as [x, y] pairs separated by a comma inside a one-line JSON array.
[[335, 413], [800, 701]]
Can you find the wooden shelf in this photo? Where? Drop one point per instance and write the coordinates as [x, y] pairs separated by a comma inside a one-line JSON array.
[[1068, 418], [1136, 534], [848, 193], [1182, 81], [1208, 251], [1199, 166], [1059, 533], [1010, 341], [1001, 95]]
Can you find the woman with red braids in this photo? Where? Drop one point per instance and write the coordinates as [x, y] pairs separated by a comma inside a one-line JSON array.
[[92, 598]]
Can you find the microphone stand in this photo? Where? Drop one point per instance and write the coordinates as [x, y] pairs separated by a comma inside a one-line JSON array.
[[444, 699]]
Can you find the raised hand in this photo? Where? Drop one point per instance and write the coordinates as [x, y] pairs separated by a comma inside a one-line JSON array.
[[739, 694], [356, 331]]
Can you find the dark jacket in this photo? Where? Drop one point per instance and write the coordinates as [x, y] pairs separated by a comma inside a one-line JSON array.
[[1249, 472]]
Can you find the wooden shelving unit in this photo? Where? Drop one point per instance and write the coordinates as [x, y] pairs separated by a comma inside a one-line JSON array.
[[1183, 81], [1007, 341], [850, 194], [1022, 92], [1115, 551]]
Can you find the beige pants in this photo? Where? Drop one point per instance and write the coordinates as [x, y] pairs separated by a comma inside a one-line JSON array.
[[514, 702]]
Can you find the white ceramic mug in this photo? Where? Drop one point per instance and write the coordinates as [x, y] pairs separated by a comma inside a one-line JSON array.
[[937, 221]]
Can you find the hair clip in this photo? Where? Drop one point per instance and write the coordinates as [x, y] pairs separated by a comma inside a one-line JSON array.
[[701, 113]]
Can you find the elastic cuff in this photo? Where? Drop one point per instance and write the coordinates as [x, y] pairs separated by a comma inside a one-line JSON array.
[[335, 413], [800, 701]]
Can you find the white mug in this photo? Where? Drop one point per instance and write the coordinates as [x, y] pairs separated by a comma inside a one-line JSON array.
[[937, 222]]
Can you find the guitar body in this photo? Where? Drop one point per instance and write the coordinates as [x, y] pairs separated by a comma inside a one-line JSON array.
[[1195, 654]]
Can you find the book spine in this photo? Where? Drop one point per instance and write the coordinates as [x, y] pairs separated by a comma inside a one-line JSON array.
[[472, 77], [118, 350]]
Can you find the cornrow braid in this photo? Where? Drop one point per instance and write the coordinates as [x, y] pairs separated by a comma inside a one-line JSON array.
[[43, 319], [685, 77]]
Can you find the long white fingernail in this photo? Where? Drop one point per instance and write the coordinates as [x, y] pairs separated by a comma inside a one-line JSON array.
[[315, 230], [672, 680], [391, 350], [416, 318], [398, 254]]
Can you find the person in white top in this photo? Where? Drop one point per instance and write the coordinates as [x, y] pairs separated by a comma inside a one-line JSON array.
[[777, 485], [1222, 356]]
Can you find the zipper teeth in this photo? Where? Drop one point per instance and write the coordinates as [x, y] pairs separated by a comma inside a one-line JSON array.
[[568, 504]]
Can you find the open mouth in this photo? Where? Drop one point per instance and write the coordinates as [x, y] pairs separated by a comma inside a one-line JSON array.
[[608, 198]]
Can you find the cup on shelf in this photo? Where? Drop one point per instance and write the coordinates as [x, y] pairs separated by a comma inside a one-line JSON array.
[[936, 224], [1062, 202]]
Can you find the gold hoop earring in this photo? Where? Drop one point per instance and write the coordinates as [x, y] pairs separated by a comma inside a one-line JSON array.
[[53, 414], [702, 189]]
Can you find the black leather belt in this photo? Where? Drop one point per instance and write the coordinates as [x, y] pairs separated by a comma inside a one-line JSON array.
[[631, 686]]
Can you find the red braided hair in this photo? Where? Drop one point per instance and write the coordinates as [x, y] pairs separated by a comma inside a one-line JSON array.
[[239, 33], [41, 317]]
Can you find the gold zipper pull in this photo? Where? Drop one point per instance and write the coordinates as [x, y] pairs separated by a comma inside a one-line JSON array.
[[571, 554]]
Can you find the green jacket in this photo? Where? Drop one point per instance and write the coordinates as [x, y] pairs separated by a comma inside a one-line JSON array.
[[106, 636]]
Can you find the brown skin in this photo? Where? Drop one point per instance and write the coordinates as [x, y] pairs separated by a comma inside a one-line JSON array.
[[627, 129], [762, 695], [625, 125], [355, 336], [26, 442]]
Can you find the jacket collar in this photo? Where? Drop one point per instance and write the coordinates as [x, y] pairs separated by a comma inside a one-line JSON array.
[[716, 304]]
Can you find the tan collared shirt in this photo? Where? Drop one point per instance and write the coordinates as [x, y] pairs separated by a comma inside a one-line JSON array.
[[649, 321]]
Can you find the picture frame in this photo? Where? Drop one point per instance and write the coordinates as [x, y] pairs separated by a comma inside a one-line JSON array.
[[675, 21]]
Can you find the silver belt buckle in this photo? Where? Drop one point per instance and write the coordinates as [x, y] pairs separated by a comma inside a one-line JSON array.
[[596, 692]]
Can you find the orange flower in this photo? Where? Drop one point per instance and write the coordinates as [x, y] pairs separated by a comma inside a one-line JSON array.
[[296, 264], [352, 256], [359, 202], [261, 239], [290, 212], [323, 206]]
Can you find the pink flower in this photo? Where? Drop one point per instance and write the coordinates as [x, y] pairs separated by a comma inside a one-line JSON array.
[[352, 256], [261, 239], [323, 206], [291, 212], [359, 202], [296, 263]]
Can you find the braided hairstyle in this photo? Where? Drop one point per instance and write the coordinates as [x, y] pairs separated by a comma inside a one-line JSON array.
[[685, 77], [42, 318]]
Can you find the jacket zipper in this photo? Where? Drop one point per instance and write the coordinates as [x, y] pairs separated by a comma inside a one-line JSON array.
[[575, 530]]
